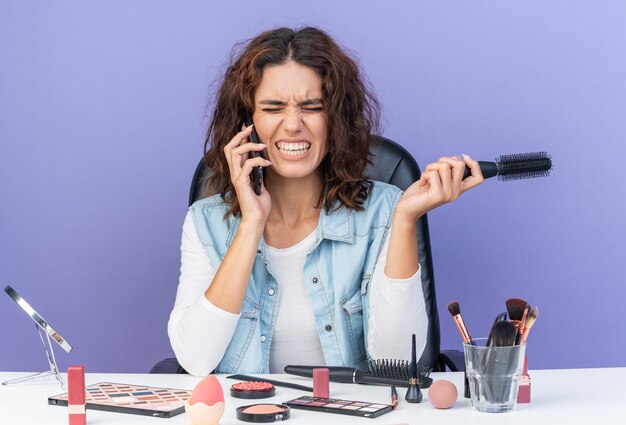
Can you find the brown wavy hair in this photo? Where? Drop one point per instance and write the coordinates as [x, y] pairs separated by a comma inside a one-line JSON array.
[[353, 111]]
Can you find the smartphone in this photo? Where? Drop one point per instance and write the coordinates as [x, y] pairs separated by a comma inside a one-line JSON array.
[[257, 172]]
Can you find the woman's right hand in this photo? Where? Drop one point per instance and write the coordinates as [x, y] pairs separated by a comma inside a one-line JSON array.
[[254, 209]]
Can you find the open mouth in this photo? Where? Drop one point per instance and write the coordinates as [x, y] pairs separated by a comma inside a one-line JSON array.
[[293, 149]]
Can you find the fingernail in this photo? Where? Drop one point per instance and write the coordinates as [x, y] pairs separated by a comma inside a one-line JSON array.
[[466, 156], [249, 127]]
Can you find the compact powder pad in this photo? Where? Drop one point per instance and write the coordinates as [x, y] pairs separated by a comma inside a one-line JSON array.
[[252, 389], [263, 413]]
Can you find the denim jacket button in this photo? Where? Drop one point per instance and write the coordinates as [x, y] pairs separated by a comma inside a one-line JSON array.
[[271, 291], [314, 280], [329, 328], [263, 338]]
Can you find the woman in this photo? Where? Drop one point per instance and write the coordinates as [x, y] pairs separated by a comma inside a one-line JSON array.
[[322, 266]]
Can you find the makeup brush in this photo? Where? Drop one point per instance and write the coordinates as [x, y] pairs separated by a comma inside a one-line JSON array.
[[394, 397], [499, 318], [522, 326], [455, 311], [516, 308], [413, 393], [499, 362], [516, 166], [503, 334], [530, 321]]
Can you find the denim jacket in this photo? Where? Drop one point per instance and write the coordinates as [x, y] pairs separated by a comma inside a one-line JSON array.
[[337, 272]]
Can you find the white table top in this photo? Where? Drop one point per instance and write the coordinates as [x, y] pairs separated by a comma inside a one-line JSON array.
[[566, 395]]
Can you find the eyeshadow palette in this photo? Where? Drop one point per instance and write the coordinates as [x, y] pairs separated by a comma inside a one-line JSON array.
[[342, 407], [133, 399]]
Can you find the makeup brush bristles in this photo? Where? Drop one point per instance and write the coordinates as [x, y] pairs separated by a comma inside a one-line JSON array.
[[515, 307], [454, 308], [503, 334], [530, 321]]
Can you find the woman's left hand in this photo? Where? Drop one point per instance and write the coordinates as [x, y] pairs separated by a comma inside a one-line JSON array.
[[440, 183]]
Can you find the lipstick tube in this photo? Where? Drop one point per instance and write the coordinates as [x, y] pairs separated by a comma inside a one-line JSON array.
[[76, 395], [320, 383]]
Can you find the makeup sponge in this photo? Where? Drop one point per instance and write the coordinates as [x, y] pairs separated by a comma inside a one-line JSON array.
[[442, 394], [206, 404]]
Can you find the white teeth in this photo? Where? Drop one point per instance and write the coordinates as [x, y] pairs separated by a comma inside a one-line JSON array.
[[293, 149]]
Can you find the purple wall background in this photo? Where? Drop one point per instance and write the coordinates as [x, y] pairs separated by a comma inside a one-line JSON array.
[[102, 116]]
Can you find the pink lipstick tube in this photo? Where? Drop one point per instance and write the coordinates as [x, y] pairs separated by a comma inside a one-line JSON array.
[[320, 383], [76, 395]]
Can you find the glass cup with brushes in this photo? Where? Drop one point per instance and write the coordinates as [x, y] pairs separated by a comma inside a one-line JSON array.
[[494, 364], [494, 371]]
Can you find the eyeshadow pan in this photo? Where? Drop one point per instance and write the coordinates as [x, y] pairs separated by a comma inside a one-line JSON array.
[[351, 407], [123, 400], [148, 397]]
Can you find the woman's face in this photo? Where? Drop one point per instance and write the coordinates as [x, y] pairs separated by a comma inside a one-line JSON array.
[[289, 118]]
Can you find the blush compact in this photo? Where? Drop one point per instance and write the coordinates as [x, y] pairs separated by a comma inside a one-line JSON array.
[[252, 389], [263, 413]]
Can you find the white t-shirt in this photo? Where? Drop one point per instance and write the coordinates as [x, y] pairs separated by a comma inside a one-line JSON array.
[[295, 339]]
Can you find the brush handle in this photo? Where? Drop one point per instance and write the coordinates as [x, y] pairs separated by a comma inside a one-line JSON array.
[[488, 168], [346, 375], [336, 373]]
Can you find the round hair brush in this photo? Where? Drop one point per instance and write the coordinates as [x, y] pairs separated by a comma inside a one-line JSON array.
[[516, 166]]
